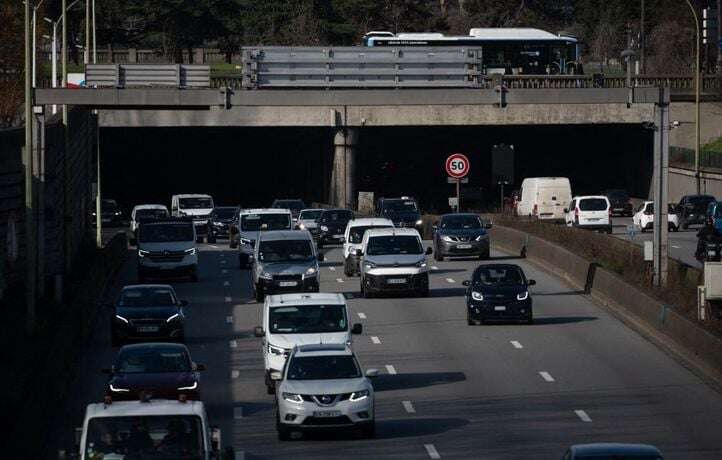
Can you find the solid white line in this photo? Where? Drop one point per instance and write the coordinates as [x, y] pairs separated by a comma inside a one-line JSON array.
[[390, 369], [675, 247], [333, 269], [375, 339], [516, 344], [583, 416], [228, 299], [215, 247], [409, 407], [339, 280], [229, 319], [235, 374], [362, 315], [434, 267], [237, 412], [450, 280], [431, 450], [224, 271], [233, 344], [226, 283], [223, 261], [546, 376]]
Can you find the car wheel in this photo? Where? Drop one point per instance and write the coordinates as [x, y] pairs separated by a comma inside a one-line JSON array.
[[368, 431], [685, 226], [437, 256], [115, 341], [530, 319], [423, 292], [319, 245], [284, 433], [195, 277], [211, 239], [469, 321], [259, 294], [484, 255]]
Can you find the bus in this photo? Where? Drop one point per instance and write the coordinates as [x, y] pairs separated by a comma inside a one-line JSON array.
[[509, 51]]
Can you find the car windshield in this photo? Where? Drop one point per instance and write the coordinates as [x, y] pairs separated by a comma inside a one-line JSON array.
[[460, 223], [166, 232], [307, 319], [593, 204], [147, 297], [150, 214], [718, 211], [295, 205], [263, 222], [152, 360], [393, 206], [498, 276], [697, 200], [108, 205], [356, 234], [620, 195], [195, 203], [285, 251], [162, 437], [399, 244], [323, 368], [225, 213], [336, 216], [313, 214]]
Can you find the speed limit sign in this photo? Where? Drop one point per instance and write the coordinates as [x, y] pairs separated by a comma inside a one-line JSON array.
[[457, 166]]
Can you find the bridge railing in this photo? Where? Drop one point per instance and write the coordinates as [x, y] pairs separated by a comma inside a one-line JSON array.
[[134, 75]]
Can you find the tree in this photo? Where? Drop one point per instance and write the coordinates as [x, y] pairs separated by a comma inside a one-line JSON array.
[[12, 46]]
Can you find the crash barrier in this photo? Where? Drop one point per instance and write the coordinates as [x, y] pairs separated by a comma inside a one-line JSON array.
[[614, 292], [134, 75]]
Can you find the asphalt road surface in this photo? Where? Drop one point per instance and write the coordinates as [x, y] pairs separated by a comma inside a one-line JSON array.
[[682, 244], [447, 390]]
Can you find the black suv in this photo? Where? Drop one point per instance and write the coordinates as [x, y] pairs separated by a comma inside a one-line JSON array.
[[692, 209], [220, 222], [403, 212], [332, 225], [294, 205], [619, 202]]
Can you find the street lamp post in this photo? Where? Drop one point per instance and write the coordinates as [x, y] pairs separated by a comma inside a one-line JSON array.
[[696, 99]]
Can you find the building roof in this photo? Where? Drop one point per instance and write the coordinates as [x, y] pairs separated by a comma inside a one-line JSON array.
[[515, 33]]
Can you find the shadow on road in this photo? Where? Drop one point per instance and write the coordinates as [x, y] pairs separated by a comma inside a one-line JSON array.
[[443, 271], [447, 292], [536, 294], [563, 320], [390, 429], [387, 382]]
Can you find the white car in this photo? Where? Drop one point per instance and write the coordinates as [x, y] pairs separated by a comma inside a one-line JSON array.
[[323, 387], [643, 219], [195, 206], [167, 248], [289, 320], [308, 220], [590, 212], [146, 212], [353, 237]]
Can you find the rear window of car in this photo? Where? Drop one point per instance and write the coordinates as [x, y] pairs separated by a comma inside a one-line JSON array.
[[593, 204]]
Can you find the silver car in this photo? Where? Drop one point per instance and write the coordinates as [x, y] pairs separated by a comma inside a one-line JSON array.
[[322, 387]]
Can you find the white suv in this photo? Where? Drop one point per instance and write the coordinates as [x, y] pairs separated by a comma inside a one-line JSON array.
[[300, 319], [353, 239], [322, 386], [590, 212], [644, 217]]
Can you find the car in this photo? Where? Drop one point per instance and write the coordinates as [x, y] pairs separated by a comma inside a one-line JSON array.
[[289, 320], [403, 212], [285, 261], [498, 292], [620, 203], [220, 222], [147, 311], [461, 235], [714, 215], [353, 237], [616, 451], [163, 370], [322, 387], [110, 213], [591, 212], [253, 222], [144, 212], [332, 225], [295, 205], [308, 220], [544, 198], [149, 429], [195, 206], [643, 219], [393, 260], [692, 209], [167, 247]]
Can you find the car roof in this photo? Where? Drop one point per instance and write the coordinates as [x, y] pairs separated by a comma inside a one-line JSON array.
[[337, 210], [370, 221], [613, 448], [323, 349], [147, 286], [154, 345], [391, 232], [460, 214], [193, 195], [306, 299], [590, 197], [225, 207], [311, 209], [138, 408], [149, 206], [265, 211], [278, 235]]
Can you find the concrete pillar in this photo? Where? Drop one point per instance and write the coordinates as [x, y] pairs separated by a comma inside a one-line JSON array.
[[132, 55], [343, 184]]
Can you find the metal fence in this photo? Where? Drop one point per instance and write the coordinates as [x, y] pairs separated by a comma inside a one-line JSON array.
[[130, 75], [685, 157]]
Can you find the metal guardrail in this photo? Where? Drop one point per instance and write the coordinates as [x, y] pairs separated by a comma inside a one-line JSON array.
[[356, 67], [134, 75]]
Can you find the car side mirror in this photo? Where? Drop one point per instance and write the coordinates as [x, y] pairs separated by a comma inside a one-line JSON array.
[[371, 373], [183, 303], [435, 226], [359, 252], [199, 367], [429, 251], [258, 331], [466, 283], [488, 225], [276, 376], [321, 257], [566, 210], [531, 282], [357, 329], [215, 438]]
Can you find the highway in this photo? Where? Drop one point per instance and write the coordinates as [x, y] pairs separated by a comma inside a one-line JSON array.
[[447, 390], [682, 244]]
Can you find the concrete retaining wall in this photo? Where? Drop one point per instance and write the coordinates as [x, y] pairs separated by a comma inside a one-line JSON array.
[[682, 182]]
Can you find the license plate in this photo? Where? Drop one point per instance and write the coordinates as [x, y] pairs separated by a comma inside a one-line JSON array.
[[338, 236], [593, 219], [711, 253], [500, 308], [327, 413], [463, 246], [105, 220], [396, 281], [288, 283], [147, 328]]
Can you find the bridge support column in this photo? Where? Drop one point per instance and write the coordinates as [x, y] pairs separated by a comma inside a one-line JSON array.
[[343, 184]]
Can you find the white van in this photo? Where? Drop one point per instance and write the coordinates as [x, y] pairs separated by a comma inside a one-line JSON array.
[[353, 237], [167, 248], [291, 320], [196, 206], [590, 212], [544, 197], [146, 212]]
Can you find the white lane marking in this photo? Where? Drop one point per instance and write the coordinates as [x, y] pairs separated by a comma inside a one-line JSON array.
[[222, 254], [546, 376], [390, 369], [226, 283], [375, 340], [229, 319], [333, 269], [431, 450], [228, 299], [237, 412], [215, 247], [224, 271], [434, 267], [583, 416], [409, 407], [675, 247], [450, 280], [235, 374], [223, 261], [339, 280], [362, 315], [516, 344], [233, 344], [239, 455]]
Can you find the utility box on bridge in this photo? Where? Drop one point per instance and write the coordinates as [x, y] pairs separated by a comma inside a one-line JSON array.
[[713, 280]]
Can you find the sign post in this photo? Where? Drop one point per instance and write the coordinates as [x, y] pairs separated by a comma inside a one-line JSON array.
[[457, 167]]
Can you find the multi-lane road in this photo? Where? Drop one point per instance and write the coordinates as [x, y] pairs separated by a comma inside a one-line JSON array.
[[446, 390], [682, 244]]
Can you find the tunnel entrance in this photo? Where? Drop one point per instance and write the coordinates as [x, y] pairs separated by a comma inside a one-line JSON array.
[[252, 166]]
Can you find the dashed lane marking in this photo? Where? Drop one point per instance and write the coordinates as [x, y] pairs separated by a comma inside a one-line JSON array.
[[675, 247], [223, 262], [375, 340], [228, 299], [226, 283], [408, 407], [333, 269], [229, 319], [362, 315], [224, 271], [237, 412], [583, 416], [215, 247], [516, 344], [450, 280], [390, 369], [434, 267], [431, 450], [546, 376], [222, 254], [339, 280], [233, 344], [235, 374]]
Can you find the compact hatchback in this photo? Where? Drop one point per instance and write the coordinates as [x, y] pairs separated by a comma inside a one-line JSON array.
[[589, 212], [461, 235], [498, 292], [332, 225]]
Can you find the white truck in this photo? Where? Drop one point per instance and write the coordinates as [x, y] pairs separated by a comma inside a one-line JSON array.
[[544, 198]]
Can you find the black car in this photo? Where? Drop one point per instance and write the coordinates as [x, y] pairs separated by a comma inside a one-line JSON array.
[[619, 202], [332, 225], [147, 311], [220, 222], [461, 235], [403, 212], [498, 292], [692, 209], [159, 370], [294, 205], [110, 213]]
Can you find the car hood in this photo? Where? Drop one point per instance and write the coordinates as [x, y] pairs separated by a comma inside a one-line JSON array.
[[499, 292], [146, 312], [394, 260], [335, 225], [464, 233], [167, 246], [150, 381], [287, 268], [288, 341], [250, 234], [318, 387]]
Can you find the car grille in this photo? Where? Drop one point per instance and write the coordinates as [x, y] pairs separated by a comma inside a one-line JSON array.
[[146, 322], [319, 421], [460, 239], [287, 278], [166, 256]]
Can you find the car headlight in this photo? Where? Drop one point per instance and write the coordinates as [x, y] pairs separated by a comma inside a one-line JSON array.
[[481, 237], [117, 213], [369, 264], [117, 389], [477, 295], [143, 252], [421, 263], [246, 241], [173, 317], [359, 395], [301, 227], [447, 238], [93, 214], [121, 318], [266, 276], [293, 397], [190, 252], [190, 387], [419, 222], [523, 296], [274, 350], [324, 228], [311, 271]]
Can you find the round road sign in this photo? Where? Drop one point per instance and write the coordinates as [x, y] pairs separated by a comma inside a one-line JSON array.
[[457, 166]]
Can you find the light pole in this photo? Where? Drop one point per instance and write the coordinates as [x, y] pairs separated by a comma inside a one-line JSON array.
[[35, 52], [54, 64], [696, 100], [31, 285]]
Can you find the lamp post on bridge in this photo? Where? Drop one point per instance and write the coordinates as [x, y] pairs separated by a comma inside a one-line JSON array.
[[697, 79]]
